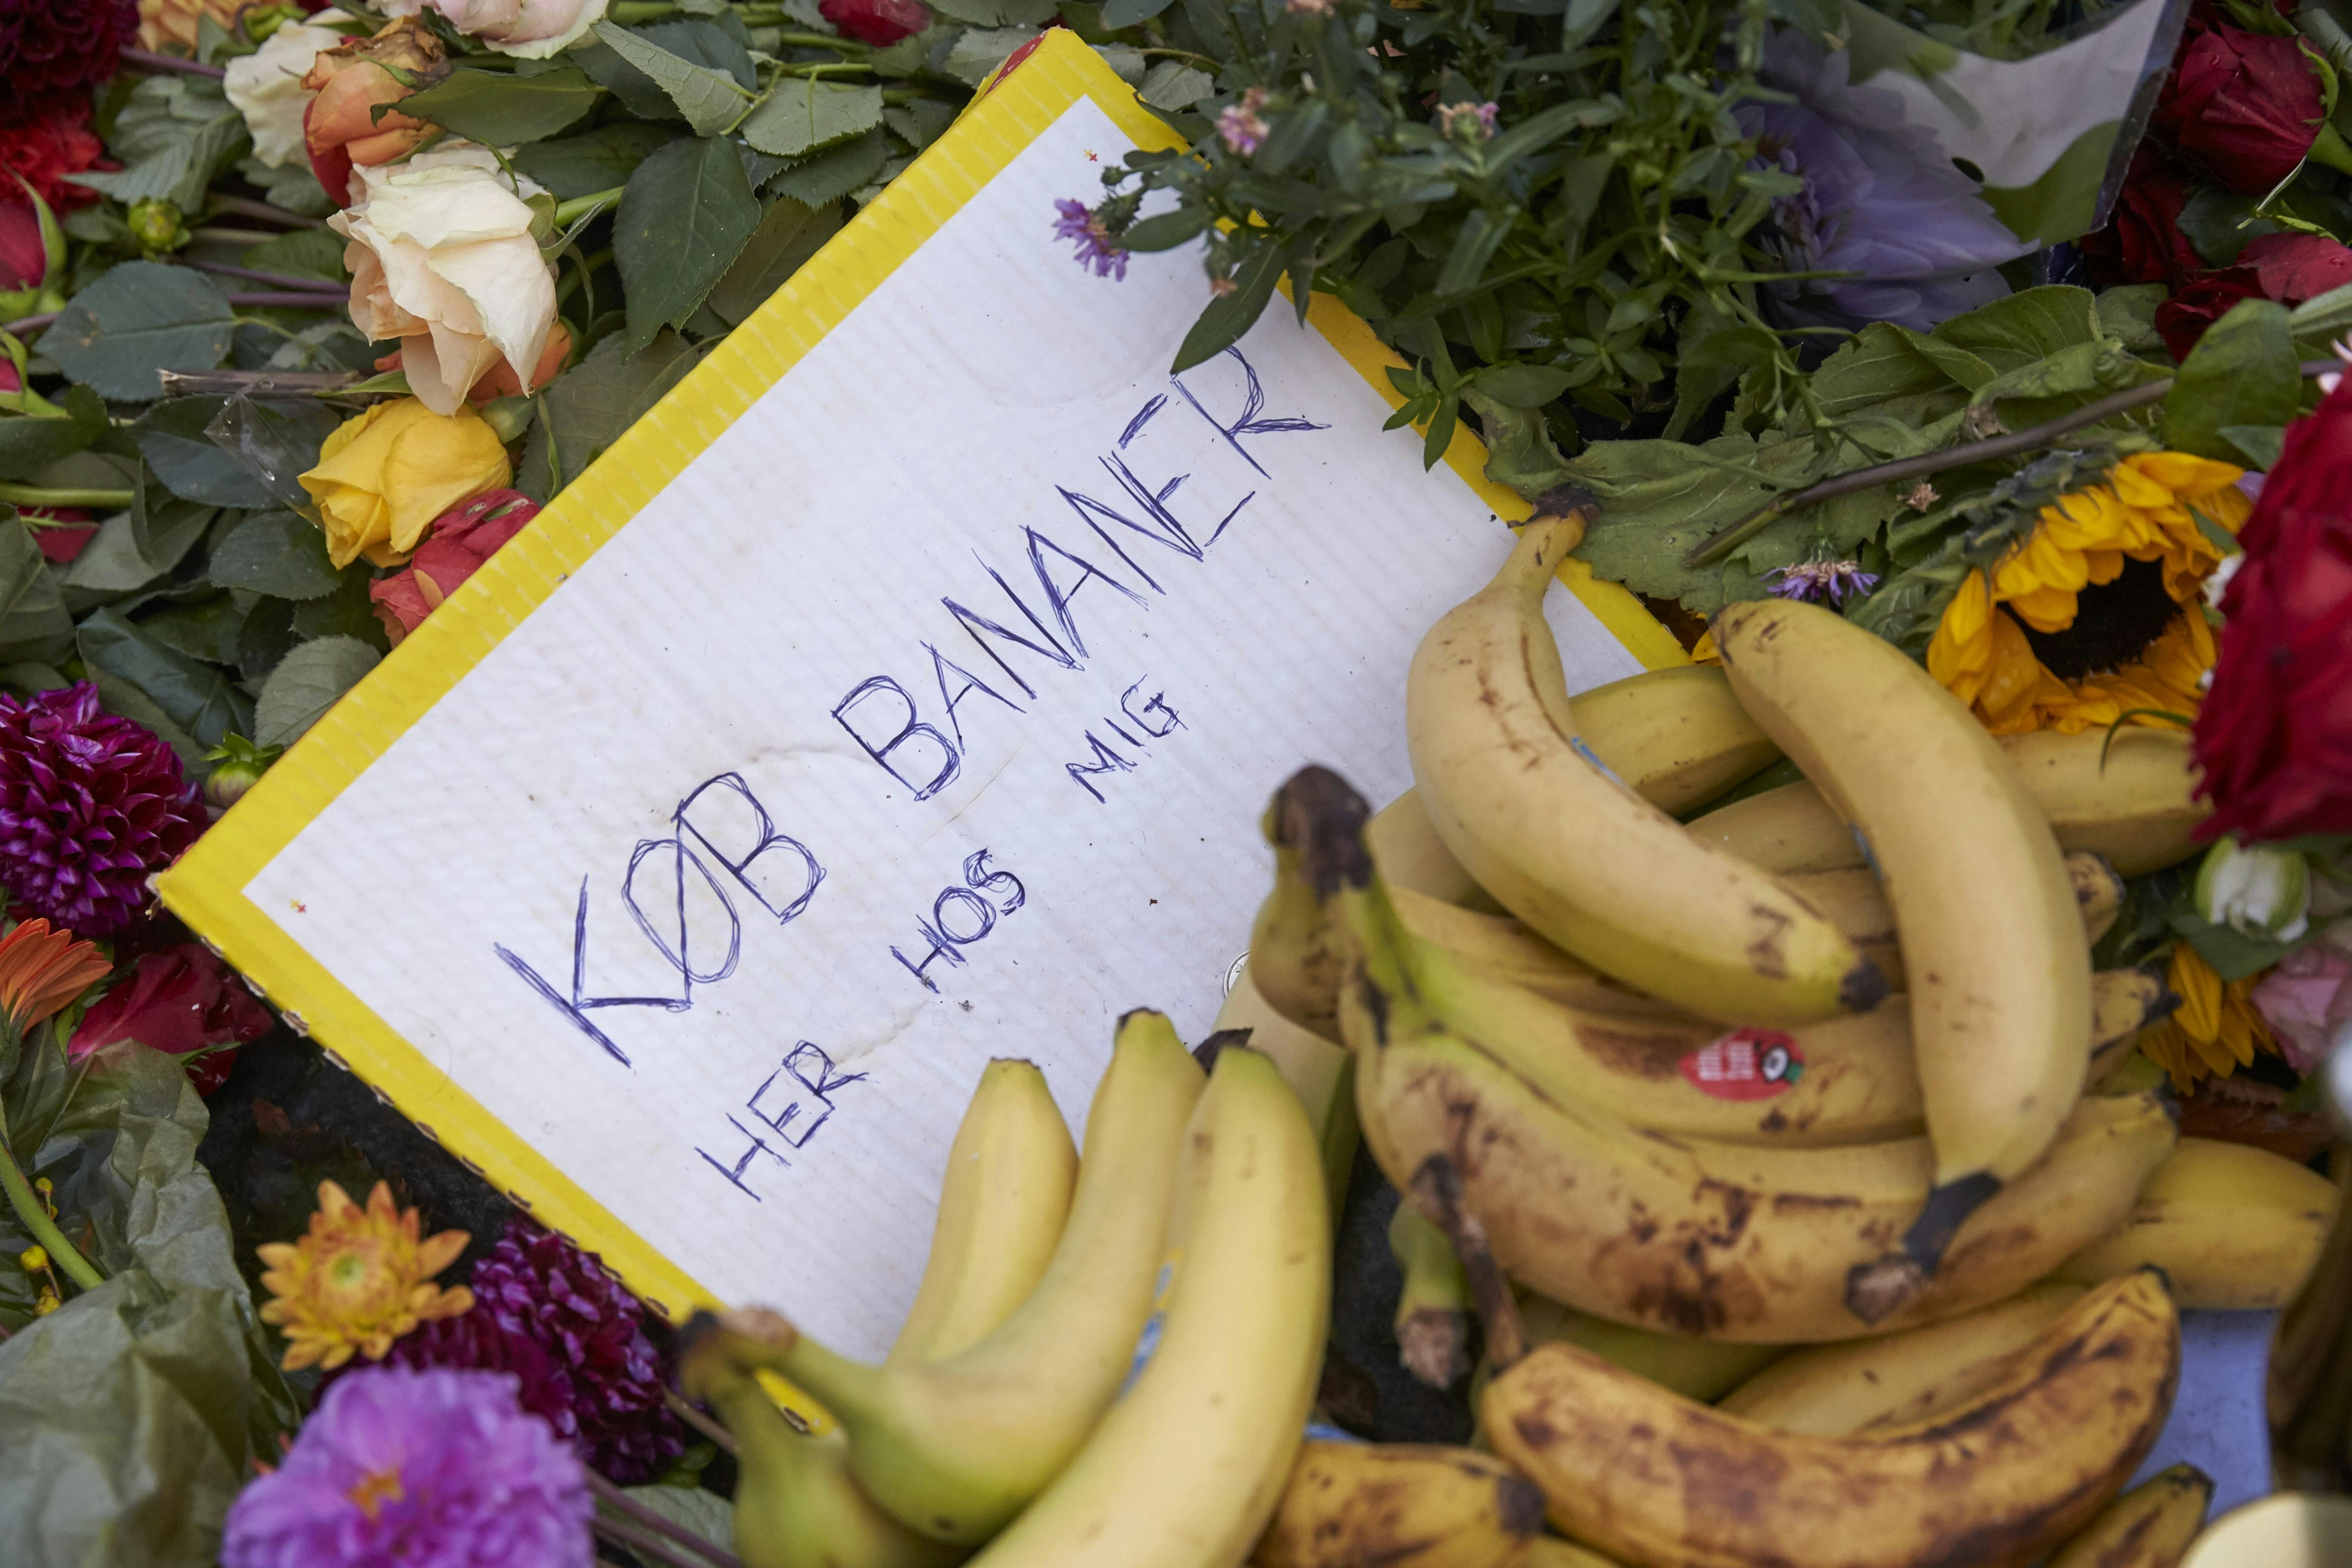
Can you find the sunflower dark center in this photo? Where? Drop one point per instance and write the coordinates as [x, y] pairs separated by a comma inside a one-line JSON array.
[[2114, 624]]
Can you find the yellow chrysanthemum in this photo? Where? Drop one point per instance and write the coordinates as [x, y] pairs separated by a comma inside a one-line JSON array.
[[2146, 511], [360, 1280], [2213, 1032]]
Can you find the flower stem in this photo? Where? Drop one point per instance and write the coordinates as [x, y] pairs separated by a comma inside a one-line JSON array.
[[701, 1423], [822, 41], [613, 1498], [647, 1546], [1721, 543], [579, 208], [246, 208], [38, 1223], [148, 61], [36, 495]]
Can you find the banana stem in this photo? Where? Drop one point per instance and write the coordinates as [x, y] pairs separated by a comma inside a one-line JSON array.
[[613, 1497], [1437, 1191]]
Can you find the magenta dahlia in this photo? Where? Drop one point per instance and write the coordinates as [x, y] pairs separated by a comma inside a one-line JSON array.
[[90, 804], [544, 1311], [53, 49]]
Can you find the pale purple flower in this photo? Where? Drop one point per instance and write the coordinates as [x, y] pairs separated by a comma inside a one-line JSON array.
[[400, 1469], [1241, 126], [1817, 581], [1308, 7], [1881, 200], [1468, 121], [1096, 248]]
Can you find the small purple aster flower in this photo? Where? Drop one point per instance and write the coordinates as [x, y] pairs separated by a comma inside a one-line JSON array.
[[1881, 201], [575, 1339], [1241, 126], [1096, 248], [399, 1469], [90, 804], [1468, 121], [1816, 581]]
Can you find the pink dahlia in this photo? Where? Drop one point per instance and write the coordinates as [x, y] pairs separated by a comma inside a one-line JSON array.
[[90, 804], [401, 1468], [544, 1311], [53, 49]]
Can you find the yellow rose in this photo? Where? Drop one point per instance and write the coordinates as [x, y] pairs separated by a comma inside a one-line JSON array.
[[383, 476]]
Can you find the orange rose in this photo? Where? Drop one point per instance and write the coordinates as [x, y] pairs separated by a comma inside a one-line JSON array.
[[340, 127]]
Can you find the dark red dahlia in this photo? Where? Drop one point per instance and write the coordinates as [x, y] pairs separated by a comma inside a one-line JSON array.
[[544, 1311], [51, 50], [42, 150], [90, 804]]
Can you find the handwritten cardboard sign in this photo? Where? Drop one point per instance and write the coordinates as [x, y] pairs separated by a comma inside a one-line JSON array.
[[901, 693]]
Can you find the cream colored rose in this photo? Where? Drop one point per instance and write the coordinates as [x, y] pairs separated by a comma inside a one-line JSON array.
[[267, 86], [531, 30], [442, 257]]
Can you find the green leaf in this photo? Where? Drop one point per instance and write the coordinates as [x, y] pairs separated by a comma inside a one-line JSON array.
[[2129, 316], [1001, 13], [28, 444], [275, 553], [706, 1514], [588, 406], [2219, 223], [33, 623], [2022, 328], [140, 319], [804, 114], [1167, 230], [499, 109], [982, 50], [205, 627], [686, 215], [171, 439], [1520, 449], [596, 160], [346, 612], [174, 135], [1118, 15], [196, 696], [835, 172], [1520, 386], [786, 238], [2260, 443], [1880, 365], [305, 684], [163, 528], [2242, 372], [111, 565], [277, 439], [302, 252], [710, 100], [2074, 374], [2326, 316], [1227, 318], [921, 122], [1171, 86]]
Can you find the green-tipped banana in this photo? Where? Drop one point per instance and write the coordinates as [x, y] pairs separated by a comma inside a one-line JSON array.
[[1433, 1323], [955, 1449]]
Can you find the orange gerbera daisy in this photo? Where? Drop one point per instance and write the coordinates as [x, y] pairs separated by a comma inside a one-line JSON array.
[[360, 1280], [2006, 626], [42, 970]]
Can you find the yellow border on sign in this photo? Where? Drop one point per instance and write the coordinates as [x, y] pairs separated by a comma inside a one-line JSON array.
[[206, 889]]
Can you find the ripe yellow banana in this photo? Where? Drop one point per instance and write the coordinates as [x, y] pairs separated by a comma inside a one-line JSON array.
[[1849, 1081], [1551, 1552], [1857, 903], [2000, 992], [1677, 737], [1688, 1236], [1401, 1505], [1295, 954], [2133, 807], [1902, 1379], [1656, 1478], [1527, 811], [2149, 1526], [1002, 1206], [1186, 1468], [1320, 1071], [954, 1448], [796, 1504], [1432, 1326], [1700, 1369], [2235, 1227]]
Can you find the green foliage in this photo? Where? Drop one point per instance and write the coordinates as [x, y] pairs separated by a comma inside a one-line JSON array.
[[306, 683], [686, 215], [2241, 372], [501, 109], [173, 135], [804, 114], [140, 319]]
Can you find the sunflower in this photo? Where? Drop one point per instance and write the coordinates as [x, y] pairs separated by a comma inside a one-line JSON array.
[[2095, 614], [2214, 1031], [360, 1280]]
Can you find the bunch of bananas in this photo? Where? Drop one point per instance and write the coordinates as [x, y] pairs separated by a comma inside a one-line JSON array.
[[1827, 1067]]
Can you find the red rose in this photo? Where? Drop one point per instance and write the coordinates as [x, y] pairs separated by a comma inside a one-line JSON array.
[[2274, 736], [177, 1000], [2289, 268], [877, 22], [462, 540], [2142, 242], [2247, 106]]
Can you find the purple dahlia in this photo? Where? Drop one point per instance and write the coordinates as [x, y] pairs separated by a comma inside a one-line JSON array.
[[1880, 201], [402, 1468], [51, 49], [544, 1311], [90, 804]]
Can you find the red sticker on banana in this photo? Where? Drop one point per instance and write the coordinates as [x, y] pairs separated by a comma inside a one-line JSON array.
[[1745, 1064]]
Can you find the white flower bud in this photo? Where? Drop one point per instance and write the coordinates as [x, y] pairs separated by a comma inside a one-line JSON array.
[[2262, 890]]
